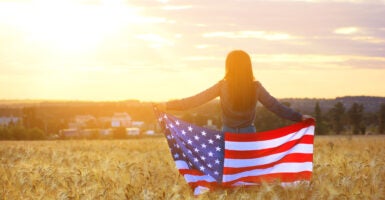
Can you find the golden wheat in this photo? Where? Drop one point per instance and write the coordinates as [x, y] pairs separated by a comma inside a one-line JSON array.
[[344, 168]]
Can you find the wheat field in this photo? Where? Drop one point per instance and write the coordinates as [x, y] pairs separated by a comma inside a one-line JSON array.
[[344, 168]]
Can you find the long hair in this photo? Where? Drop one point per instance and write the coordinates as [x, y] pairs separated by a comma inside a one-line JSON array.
[[239, 77]]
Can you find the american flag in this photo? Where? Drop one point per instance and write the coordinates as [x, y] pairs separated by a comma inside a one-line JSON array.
[[208, 158]]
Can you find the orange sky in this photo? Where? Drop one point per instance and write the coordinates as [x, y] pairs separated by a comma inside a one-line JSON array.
[[160, 50]]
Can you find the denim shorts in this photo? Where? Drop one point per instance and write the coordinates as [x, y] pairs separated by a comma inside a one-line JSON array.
[[247, 129]]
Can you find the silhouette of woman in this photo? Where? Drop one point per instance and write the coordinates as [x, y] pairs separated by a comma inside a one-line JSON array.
[[239, 93]]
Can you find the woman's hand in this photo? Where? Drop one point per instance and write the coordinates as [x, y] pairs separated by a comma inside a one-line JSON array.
[[161, 106]]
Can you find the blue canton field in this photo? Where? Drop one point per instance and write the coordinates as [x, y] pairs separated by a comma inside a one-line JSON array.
[[344, 168]]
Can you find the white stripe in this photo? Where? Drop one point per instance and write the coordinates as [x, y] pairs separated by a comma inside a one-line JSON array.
[[195, 178], [280, 168], [284, 184], [299, 148], [180, 164], [200, 190], [258, 145]]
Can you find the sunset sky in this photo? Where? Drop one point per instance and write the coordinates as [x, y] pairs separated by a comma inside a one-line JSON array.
[[165, 49]]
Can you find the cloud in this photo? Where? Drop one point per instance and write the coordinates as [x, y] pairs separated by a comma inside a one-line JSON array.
[[251, 34], [346, 30]]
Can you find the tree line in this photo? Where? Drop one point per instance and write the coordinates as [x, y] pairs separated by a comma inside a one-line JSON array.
[[43, 121]]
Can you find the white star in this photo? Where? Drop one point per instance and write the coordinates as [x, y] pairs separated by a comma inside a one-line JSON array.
[[217, 136], [160, 119], [183, 132], [211, 141], [211, 154], [203, 158], [202, 168], [172, 126], [203, 133], [196, 160], [190, 128], [209, 165], [218, 149], [176, 155], [196, 137], [184, 155], [177, 146], [189, 151], [203, 145], [217, 161], [189, 141], [165, 116], [177, 122], [196, 150], [216, 173]]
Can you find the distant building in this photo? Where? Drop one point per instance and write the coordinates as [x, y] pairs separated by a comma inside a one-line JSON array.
[[137, 123], [6, 121], [121, 120], [132, 131], [71, 132]]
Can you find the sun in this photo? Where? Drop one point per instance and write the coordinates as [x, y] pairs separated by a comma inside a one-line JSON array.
[[70, 27]]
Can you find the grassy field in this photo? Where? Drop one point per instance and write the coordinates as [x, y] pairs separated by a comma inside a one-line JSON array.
[[344, 168]]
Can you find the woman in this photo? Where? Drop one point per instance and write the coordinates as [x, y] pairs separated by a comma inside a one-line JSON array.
[[239, 93]]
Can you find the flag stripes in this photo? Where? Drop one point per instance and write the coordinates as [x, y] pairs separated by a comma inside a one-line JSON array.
[[208, 159]]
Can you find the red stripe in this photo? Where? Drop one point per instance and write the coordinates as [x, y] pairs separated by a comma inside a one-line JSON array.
[[290, 158], [207, 184], [244, 154], [282, 177], [268, 135], [191, 172]]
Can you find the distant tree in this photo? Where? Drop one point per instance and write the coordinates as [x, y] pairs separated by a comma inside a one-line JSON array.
[[320, 128], [355, 115], [337, 114], [381, 119], [119, 133]]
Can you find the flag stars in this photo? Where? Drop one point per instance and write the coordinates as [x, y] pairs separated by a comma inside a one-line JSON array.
[[171, 126], [189, 151], [177, 123], [204, 145], [196, 160], [202, 168], [216, 173], [190, 128], [183, 132], [217, 161], [210, 154], [209, 165], [217, 136], [203, 133], [189, 141], [203, 158], [176, 155], [196, 150], [196, 137], [217, 148], [211, 141]]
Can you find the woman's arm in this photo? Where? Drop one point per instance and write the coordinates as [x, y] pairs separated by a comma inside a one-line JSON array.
[[195, 100], [274, 106]]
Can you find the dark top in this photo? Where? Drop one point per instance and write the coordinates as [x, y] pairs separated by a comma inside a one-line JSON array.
[[232, 118]]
